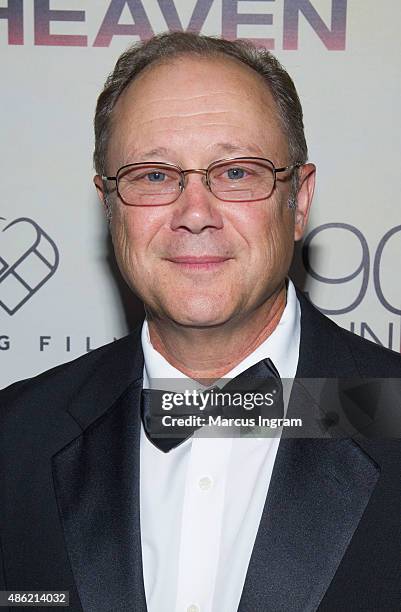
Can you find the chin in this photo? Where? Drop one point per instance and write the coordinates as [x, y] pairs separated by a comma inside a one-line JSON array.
[[198, 321], [197, 313]]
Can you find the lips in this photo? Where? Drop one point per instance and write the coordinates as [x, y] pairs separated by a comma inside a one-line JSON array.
[[202, 262], [192, 259]]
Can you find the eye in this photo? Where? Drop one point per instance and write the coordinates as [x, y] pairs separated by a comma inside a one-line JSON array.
[[156, 177], [235, 173]]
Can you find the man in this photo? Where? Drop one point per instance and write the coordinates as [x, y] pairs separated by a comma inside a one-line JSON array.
[[202, 168]]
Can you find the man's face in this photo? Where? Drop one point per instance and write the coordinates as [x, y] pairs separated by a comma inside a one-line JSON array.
[[201, 261]]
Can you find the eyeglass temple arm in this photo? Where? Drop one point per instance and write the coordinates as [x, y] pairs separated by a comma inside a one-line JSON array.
[[284, 168], [108, 178]]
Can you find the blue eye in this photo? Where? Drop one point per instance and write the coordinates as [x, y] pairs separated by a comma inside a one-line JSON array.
[[156, 177], [235, 173]]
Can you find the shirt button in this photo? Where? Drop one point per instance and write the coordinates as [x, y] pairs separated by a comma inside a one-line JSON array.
[[193, 608], [205, 484]]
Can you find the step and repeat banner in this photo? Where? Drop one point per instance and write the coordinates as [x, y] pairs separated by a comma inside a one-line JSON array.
[[60, 292]]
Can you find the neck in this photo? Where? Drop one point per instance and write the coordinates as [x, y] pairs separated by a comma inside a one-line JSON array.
[[207, 354]]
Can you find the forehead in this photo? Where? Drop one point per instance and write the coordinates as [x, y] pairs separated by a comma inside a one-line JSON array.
[[196, 101]]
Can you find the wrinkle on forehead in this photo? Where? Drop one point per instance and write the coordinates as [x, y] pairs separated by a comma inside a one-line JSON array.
[[204, 119], [196, 96], [191, 98], [189, 115], [237, 149], [242, 83], [167, 107]]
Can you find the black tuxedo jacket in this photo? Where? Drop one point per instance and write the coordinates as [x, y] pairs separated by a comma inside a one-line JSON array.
[[329, 536]]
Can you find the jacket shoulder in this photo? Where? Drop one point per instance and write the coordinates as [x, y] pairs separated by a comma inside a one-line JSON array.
[[372, 357], [332, 341], [60, 384]]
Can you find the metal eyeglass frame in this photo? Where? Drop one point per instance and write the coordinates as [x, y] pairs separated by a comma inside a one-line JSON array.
[[204, 171]]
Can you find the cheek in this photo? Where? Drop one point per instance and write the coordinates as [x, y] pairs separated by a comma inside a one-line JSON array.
[[280, 230], [131, 231], [134, 233], [126, 239], [267, 231]]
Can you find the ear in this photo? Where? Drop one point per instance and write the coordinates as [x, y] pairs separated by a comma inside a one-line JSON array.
[[307, 175], [98, 181]]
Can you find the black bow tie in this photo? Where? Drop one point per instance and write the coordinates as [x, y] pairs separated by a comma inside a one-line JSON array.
[[261, 380]]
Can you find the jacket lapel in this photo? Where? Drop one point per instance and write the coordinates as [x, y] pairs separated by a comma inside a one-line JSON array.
[[318, 492], [317, 495], [96, 480]]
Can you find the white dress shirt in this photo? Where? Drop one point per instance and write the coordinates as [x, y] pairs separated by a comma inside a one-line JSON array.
[[201, 503]]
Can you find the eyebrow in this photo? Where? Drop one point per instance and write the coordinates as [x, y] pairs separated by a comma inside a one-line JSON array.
[[153, 152], [229, 147], [224, 147]]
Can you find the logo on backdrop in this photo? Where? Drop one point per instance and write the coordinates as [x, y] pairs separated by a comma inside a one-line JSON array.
[[28, 259], [341, 283], [279, 25]]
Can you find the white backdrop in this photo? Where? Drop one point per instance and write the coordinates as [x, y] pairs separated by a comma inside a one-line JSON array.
[[58, 297]]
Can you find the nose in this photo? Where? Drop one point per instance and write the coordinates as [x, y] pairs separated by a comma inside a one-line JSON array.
[[197, 209]]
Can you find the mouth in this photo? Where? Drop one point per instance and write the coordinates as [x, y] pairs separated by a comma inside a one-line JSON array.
[[200, 263]]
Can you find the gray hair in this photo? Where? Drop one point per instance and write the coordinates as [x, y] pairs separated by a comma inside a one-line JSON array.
[[164, 47]]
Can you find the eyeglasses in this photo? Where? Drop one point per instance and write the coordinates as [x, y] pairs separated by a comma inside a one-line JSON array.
[[241, 179]]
